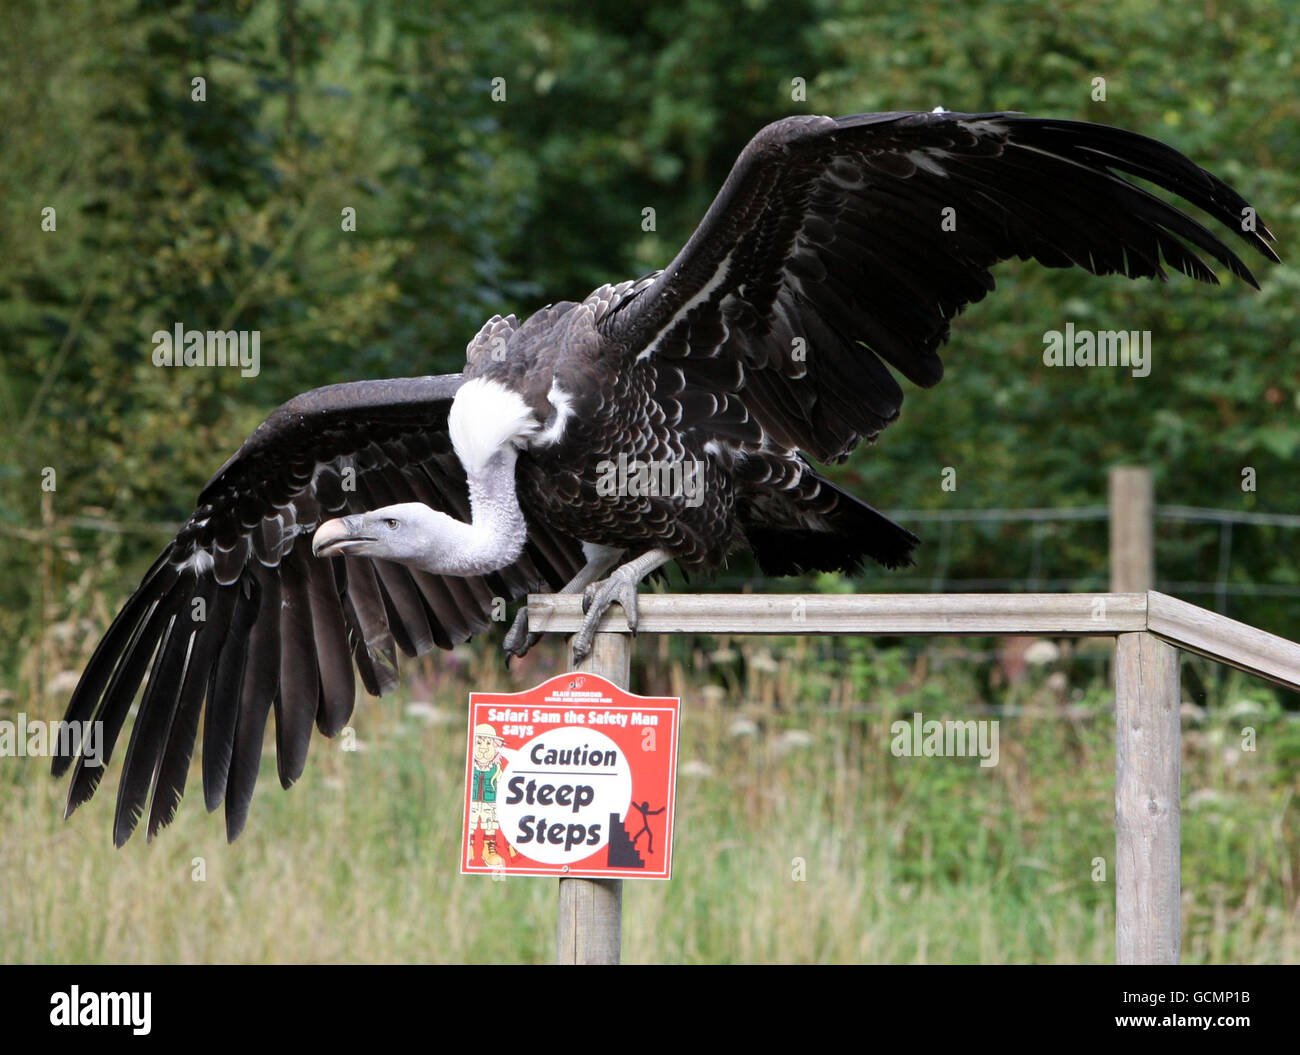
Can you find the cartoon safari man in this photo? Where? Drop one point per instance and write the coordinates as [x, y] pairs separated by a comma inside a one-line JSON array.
[[489, 761]]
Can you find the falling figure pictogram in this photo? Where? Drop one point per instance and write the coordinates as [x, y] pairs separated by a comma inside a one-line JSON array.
[[646, 813]]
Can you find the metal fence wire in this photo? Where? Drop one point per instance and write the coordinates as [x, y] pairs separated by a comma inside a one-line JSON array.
[[939, 577]]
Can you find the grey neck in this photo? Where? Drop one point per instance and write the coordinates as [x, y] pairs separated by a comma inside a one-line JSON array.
[[497, 532]]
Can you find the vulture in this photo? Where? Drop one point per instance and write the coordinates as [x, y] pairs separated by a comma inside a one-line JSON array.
[[365, 518]]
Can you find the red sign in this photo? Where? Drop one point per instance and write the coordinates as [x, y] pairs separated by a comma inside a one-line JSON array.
[[575, 777]]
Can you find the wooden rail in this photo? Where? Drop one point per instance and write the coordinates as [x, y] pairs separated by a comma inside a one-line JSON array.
[[1149, 628], [914, 613], [1187, 626]]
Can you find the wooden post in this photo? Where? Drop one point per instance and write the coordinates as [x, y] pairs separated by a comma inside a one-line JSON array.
[[1132, 559], [1148, 764], [590, 926]]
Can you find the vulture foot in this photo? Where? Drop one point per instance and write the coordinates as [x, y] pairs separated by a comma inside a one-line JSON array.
[[519, 640], [596, 599], [621, 587]]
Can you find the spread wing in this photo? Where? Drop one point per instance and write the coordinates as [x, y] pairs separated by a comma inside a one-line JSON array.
[[236, 610], [837, 246]]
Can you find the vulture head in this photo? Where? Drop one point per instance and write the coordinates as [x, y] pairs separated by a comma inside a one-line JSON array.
[[407, 533]]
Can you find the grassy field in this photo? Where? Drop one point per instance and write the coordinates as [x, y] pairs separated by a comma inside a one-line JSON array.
[[784, 756]]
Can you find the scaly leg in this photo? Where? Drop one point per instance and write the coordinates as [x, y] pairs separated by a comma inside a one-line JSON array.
[[621, 587], [599, 560]]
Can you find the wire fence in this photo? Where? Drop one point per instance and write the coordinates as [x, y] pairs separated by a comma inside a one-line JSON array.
[[939, 579]]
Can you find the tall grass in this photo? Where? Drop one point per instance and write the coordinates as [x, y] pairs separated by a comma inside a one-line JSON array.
[[800, 837]]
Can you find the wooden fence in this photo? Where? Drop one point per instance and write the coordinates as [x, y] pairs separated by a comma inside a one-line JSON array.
[[1149, 628]]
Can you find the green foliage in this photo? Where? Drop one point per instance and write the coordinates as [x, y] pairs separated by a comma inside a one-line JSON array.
[[227, 213]]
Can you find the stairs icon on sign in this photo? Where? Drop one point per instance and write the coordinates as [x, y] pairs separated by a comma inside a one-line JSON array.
[[622, 853]]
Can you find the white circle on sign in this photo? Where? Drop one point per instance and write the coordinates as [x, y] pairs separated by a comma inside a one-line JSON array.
[[555, 797]]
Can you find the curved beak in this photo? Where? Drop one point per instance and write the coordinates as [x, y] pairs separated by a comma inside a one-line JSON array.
[[334, 537]]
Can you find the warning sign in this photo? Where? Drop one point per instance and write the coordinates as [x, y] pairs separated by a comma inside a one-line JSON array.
[[575, 777]]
